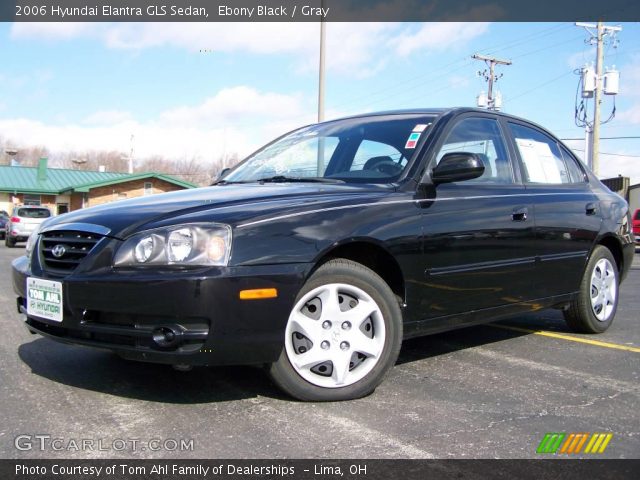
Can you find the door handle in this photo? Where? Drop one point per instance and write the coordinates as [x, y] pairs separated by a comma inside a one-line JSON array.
[[591, 209], [520, 214]]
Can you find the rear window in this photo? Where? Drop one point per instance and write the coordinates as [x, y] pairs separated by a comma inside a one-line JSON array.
[[33, 213], [637, 215]]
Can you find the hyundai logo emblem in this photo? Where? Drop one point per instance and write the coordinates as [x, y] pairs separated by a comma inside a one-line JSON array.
[[59, 250]]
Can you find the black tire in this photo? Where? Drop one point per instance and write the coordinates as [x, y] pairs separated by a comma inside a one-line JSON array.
[[10, 243], [580, 315], [347, 272]]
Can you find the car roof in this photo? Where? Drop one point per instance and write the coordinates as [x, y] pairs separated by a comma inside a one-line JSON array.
[[431, 111]]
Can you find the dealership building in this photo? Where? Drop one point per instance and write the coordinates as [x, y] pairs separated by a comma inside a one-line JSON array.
[[63, 190]]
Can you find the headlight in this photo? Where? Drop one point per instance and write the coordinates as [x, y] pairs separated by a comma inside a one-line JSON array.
[[31, 243], [143, 249], [204, 244]]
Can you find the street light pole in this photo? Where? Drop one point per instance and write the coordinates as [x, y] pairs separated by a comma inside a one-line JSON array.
[[320, 160], [321, 73]]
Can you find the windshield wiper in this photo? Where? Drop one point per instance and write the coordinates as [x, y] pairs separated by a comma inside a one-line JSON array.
[[285, 179]]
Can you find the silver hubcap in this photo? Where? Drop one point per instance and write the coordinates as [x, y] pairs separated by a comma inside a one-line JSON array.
[[335, 335], [604, 289]]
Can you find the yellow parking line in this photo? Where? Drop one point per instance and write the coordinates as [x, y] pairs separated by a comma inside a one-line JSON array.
[[571, 338]]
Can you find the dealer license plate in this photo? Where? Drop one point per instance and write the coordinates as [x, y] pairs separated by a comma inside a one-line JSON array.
[[44, 299]]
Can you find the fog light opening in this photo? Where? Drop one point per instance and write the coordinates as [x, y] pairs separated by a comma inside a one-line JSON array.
[[166, 337]]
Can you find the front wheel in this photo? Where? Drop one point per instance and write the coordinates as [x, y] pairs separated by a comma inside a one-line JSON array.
[[597, 301], [343, 335]]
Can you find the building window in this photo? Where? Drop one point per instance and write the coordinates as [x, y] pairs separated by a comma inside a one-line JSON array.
[[28, 199], [148, 188]]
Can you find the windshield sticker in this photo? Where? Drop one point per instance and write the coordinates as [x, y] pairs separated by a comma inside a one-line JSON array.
[[412, 140], [421, 127]]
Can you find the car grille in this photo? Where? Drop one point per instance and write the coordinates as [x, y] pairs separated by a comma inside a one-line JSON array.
[[62, 251]]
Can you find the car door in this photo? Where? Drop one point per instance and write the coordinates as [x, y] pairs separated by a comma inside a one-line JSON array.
[[567, 212], [478, 234]]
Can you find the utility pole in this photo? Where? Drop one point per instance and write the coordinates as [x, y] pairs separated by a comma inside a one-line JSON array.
[[597, 99], [490, 77], [592, 132]]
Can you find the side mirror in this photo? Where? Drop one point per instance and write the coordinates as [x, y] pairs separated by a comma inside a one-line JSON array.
[[457, 167], [222, 174]]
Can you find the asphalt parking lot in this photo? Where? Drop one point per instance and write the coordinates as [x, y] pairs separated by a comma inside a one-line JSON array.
[[483, 392]]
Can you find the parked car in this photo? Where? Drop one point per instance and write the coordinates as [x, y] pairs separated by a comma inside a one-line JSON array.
[[636, 225], [318, 254], [4, 218], [23, 222]]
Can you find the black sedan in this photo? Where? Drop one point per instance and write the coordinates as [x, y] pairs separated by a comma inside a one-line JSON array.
[[318, 254]]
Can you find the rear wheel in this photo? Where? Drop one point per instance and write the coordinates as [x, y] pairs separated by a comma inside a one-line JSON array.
[[595, 306], [343, 335], [9, 242]]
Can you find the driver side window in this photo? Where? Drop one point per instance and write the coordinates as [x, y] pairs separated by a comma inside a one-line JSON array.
[[481, 136]]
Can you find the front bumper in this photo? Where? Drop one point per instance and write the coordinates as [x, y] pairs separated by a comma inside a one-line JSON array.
[[123, 310]]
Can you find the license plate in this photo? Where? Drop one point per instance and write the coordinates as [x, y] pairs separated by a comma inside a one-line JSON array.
[[44, 299]]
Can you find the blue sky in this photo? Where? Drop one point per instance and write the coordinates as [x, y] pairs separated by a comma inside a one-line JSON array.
[[205, 90]]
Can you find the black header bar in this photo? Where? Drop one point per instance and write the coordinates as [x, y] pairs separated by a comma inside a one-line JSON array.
[[317, 10]]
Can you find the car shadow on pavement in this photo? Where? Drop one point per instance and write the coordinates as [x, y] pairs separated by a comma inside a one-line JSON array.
[[105, 372], [447, 342]]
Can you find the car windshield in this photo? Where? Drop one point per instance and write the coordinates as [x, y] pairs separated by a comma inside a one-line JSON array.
[[33, 213], [374, 149]]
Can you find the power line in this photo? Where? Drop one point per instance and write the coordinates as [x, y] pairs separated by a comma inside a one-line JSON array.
[[525, 39], [539, 86], [452, 67], [612, 154], [607, 138]]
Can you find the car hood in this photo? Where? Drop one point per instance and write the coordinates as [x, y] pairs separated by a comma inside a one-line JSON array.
[[232, 204]]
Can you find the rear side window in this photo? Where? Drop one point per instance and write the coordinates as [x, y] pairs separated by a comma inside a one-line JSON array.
[[576, 174], [33, 213], [637, 215], [541, 157]]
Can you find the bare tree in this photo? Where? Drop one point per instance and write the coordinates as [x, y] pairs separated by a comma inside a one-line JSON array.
[[195, 170]]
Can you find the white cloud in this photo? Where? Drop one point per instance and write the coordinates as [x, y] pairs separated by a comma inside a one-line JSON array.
[[438, 37], [356, 49], [236, 120], [231, 105], [629, 81], [107, 117], [578, 59], [614, 165], [52, 30], [459, 81]]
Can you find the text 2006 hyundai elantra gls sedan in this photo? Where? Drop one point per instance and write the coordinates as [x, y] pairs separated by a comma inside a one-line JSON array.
[[322, 251]]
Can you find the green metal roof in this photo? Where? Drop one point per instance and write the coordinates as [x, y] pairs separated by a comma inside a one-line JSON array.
[[59, 180], [128, 178]]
